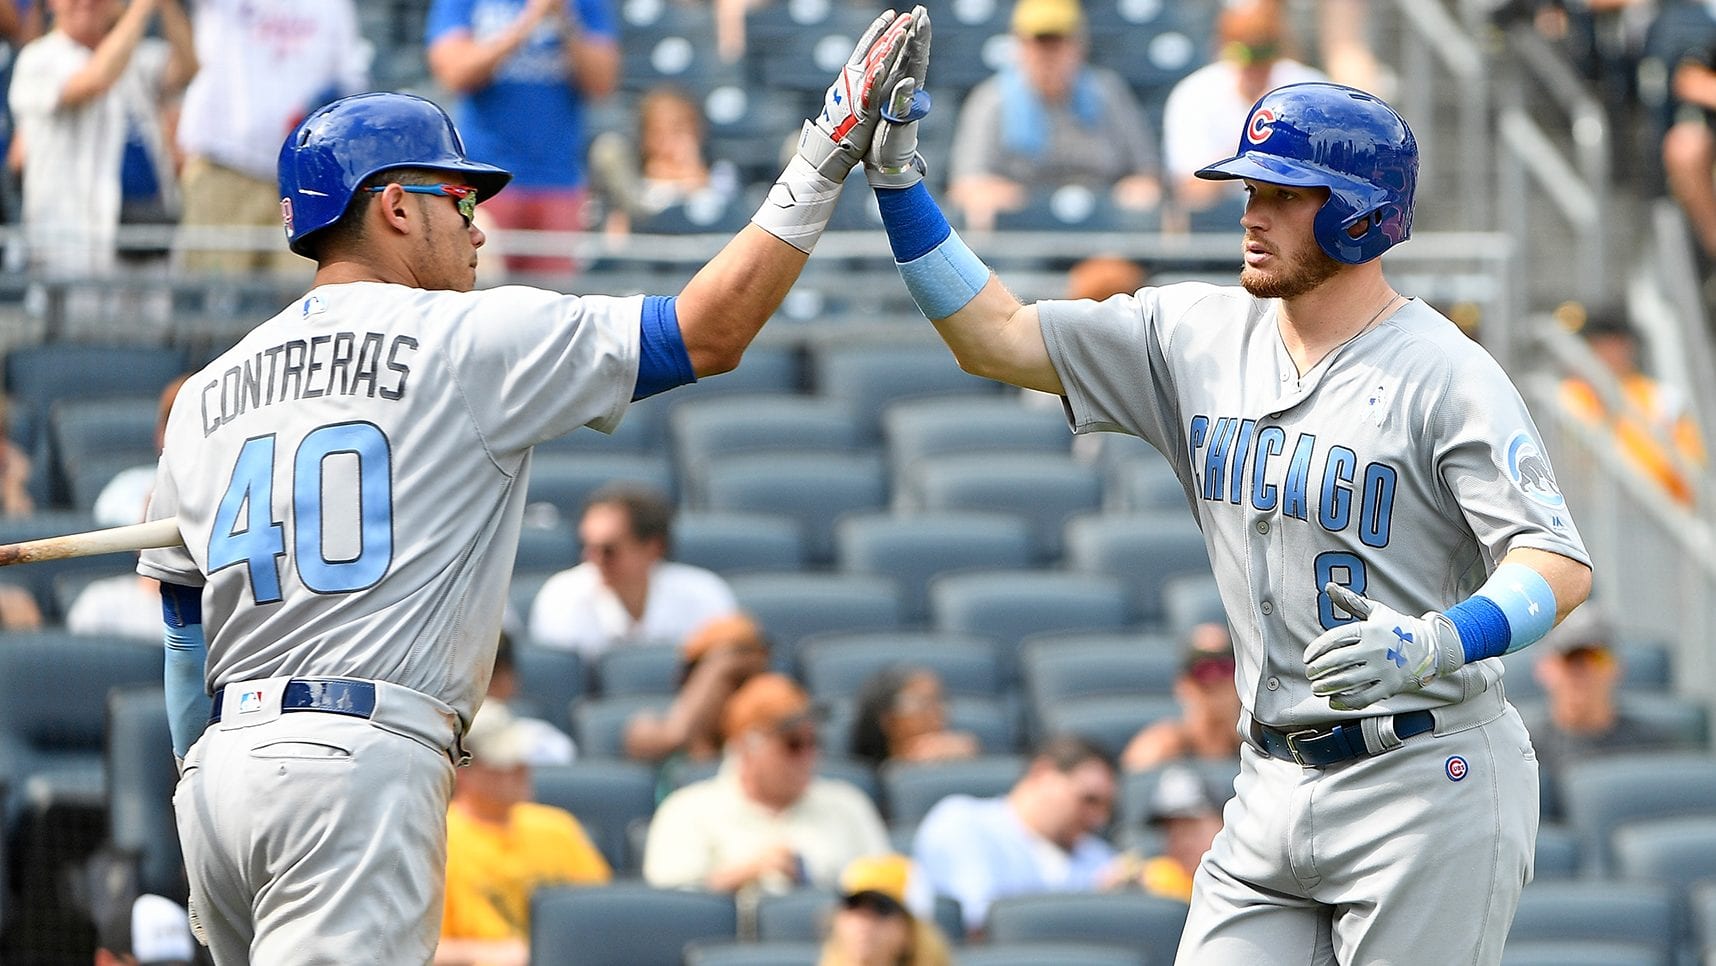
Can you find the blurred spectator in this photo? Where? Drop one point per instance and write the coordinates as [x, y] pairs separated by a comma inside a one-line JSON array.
[[901, 717], [1208, 726], [765, 821], [885, 917], [1343, 28], [716, 660], [1186, 812], [626, 591], [522, 71], [20, 23], [80, 94], [1042, 836], [667, 168], [501, 847], [1209, 104], [1050, 119], [546, 744], [1580, 718], [148, 931], [1101, 276], [265, 65], [1689, 143], [15, 468], [1649, 420]]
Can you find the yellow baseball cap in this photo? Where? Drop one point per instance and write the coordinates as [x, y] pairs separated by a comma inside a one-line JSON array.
[[890, 877], [1040, 18]]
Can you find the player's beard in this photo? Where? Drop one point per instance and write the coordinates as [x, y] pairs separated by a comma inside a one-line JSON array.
[[1305, 271]]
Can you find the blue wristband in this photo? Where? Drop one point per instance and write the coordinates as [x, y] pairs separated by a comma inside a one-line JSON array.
[[183, 670], [1512, 610], [663, 362], [940, 272]]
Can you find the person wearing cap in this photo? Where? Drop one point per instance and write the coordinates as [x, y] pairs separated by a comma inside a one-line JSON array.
[[1650, 422], [1208, 726], [501, 847], [149, 931], [626, 591], [765, 821], [1047, 120], [1042, 836], [716, 659], [884, 917], [1206, 106], [1185, 812], [1580, 717]]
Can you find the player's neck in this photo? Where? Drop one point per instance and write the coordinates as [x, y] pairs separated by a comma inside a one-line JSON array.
[[1314, 324]]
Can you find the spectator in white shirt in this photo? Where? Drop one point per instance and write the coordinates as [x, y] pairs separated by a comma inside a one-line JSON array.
[[626, 591]]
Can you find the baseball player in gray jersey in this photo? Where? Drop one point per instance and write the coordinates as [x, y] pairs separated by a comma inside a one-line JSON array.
[[349, 480], [1353, 460]]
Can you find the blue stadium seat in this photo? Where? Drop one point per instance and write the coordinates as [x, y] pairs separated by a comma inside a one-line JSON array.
[[644, 669], [1674, 851], [547, 544], [1108, 721], [793, 606], [599, 724], [606, 797], [911, 788], [914, 547], [993, 721], [640, 431], [1146, 550], [1551, 952], [141, 777], [1557, 855], [1599, 795], [103, 430], [1046, 490], [1059, 953], [1126, 919], [566, 480], [37, 376], [1189, 600], [729, 542], [916, 429], [735, 424], [872, 376], [624, 924], [549, 680], [1076, 208], [1597, 911], [1137, 788], [813, 488], [837, 665], [1057, 670], [805, 953], [1010, 605], [797, 916]]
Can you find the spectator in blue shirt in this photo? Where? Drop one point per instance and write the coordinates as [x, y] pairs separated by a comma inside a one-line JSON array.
[[522, 72], [1042, 836]]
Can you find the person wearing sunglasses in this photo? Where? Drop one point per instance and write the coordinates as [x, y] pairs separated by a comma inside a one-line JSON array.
[[349, 482], [766, 822], [1582, 715]]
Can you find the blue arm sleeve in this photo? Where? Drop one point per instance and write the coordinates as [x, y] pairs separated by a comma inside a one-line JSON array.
[[1513, 609], [186, 654], [940, 272], [663, 362]]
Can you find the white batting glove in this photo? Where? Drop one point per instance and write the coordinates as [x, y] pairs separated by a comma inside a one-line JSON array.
[[832, 143], [1381, 654], [893, 160]]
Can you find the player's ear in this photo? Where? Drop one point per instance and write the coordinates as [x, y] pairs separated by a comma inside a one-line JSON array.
[[395, 209]]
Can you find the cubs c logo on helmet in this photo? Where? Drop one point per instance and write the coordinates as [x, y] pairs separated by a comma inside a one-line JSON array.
[[1257, 129]]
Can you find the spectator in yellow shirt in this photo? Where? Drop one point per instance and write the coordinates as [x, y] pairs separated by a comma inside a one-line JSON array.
[[501, 847]]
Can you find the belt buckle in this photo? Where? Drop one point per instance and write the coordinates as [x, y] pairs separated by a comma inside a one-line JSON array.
[[1292, 738]]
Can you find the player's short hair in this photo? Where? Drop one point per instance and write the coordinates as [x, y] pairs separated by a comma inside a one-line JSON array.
[[348, 230], [1068, 751], [649, 512]]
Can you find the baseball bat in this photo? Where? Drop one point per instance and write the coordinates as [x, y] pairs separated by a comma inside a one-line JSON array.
[[138, 536]]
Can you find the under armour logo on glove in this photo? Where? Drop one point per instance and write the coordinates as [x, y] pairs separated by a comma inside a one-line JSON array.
[[1381, 654]]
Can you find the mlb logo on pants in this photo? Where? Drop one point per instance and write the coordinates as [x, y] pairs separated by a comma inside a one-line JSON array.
[[249, 701]]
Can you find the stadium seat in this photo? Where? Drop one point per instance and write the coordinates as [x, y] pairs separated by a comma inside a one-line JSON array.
[[679, 51], [870, 377], [53, 713], [797, 916], [141, 777], [1008, 606], [1045, 489], [606, 797], [1143, 485], [805, 53], [806, 953], [640, 431], [1060, 954], [1557, 853], [1645, 666], [734, 424], [916, 429], [101, 432], [1189, 600], [1701, 906], [729, 543], [1550, 952], [642, 669], [40, 577], [813, 488], [1060, 670], [914, 547], [624, 924], [37, 376], [547, 543], [550, 679], [1146, 550], [993, 721], [768, 368], [793, 606], [1137, 788], [911, 788], [837, 664], [1599, 795], [1674, 851], [1076, 207], [599, 724], [1109, 721], [566, 480], [1129, 920], [88, 475], [1598, 911]]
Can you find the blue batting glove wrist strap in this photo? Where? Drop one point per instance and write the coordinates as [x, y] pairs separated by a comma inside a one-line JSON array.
[[1513, 609], [940, 272]]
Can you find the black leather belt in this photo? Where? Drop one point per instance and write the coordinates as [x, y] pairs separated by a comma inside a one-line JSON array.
[[1332, 744], [349, 696]]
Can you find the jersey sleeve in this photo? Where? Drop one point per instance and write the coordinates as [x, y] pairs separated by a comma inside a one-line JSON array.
[[1112, 360], [446, 17], [1492, 463], [533, 365], [169, 564], [38, 78]]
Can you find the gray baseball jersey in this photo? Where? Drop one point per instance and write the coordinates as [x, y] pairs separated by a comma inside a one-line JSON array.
[[350, 477], [1404, 465]]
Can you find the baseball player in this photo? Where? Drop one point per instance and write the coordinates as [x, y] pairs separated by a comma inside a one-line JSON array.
[[1353, 461], [349, 480]]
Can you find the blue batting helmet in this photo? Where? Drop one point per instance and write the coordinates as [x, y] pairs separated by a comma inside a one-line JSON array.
[[343, 143], [1339, 138]]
